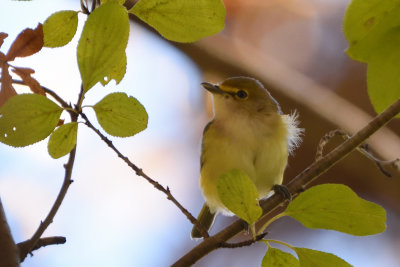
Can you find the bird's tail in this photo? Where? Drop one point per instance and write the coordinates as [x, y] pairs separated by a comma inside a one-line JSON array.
[[206, 218]]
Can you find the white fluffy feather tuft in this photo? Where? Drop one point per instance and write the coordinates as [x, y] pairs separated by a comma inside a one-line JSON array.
[[294, 132]]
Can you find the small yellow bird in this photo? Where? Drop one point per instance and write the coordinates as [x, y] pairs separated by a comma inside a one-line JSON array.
[[248, 132]]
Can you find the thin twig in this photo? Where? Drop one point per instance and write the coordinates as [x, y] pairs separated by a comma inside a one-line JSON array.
[[42, 242], [243, 243], [32, 242], [48, 91], [363, 149], [57, 203], [295, 186], [140, 172]]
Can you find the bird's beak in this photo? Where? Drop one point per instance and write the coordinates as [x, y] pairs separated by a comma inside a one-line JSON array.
[[212, 88]]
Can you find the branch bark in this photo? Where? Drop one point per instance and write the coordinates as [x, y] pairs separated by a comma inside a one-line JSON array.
[[8, 250], [295, 186]]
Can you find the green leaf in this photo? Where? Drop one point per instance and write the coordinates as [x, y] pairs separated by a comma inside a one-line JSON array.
[[101, 48], [117, 72], [277, 258], [337, 207], [60, 28], [239, 194], [366, 22], [28, 118], [182, 20], [372, 29], [383, 79], [63, 140], [120, 115], [315, 258]]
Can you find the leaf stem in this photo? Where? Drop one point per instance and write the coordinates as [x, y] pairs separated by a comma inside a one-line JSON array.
[[265, 225], [61, 101], [279, 242]]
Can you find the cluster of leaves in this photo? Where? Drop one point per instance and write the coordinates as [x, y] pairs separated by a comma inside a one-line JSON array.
[[29, 118], [329, 206]]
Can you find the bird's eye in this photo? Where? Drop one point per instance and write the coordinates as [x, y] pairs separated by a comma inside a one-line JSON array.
[[241, 94]]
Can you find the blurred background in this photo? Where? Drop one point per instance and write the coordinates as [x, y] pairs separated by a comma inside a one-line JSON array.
[[111, 217]]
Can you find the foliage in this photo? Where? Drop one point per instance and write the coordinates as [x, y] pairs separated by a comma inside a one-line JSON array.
[[182, 20], [101, 48], [239, 194], [327, 206], [120, 115], [27, 118], [60, 28], [372, 30]]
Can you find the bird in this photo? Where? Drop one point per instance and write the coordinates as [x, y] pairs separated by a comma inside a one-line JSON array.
[[248, 132]]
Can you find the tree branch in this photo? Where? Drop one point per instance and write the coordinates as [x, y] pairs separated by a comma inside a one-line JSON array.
[[8, 250], [42, 242], [295, 186], [32, 242]]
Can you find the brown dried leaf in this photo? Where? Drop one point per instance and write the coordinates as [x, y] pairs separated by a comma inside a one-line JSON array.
[[3, 36], [25, 74], [7, 90], [27, 43], [60, 122]]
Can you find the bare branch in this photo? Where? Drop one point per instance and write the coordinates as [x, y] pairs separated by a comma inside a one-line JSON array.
[[140, 172], [32, 242], [363, 149], [24, 247]]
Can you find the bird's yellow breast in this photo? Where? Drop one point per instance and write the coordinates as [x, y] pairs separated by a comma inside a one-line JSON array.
[[258, 146]]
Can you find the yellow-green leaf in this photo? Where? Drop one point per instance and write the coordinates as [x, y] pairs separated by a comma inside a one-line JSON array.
[[277, 258], [383, 74], [26, 119], [315, 258], [239, 194], [117, 72], [337, 207], [101, 48], [371, 28], [366, 22], [60, 28], [182, 20], [63, 140], [120, 115]]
